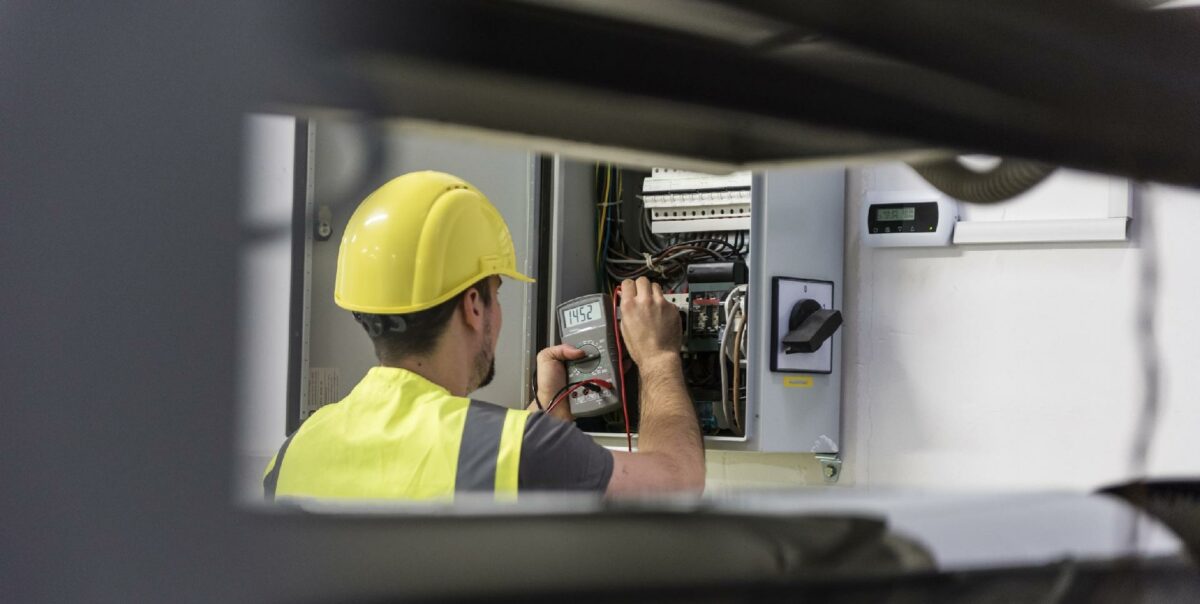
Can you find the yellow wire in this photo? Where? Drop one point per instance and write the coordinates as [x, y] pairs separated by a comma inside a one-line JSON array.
[[597, 177], [620, 194], [603, 215]]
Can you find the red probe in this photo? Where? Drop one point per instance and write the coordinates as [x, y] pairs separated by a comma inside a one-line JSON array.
[[621, 368]]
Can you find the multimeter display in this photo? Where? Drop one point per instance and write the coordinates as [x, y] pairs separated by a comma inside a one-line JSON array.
[[574, 317]]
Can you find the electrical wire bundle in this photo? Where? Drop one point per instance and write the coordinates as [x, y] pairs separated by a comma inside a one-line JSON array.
[[609, 221], [658, 258], [664, 259], [732, 349]]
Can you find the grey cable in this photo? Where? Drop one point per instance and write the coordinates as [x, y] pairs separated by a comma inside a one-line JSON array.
[[1063, 581], [1148, 348], [1147, 337], [723, 352], [1007, 180]]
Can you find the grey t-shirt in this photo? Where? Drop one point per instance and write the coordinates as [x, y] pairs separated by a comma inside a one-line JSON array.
[[557, 456]]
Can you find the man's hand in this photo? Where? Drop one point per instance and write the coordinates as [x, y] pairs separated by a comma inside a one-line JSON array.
[[670, 453], [649, 323], [552, 376]]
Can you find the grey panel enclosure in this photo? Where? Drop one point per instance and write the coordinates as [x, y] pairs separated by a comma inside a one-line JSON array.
[[798, 228]]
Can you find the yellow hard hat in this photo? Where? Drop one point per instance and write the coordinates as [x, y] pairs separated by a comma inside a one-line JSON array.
[[418, 241]]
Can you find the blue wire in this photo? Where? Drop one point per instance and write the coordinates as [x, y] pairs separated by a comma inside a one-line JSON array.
[[607, 229]]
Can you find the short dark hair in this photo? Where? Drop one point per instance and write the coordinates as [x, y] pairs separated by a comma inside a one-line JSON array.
[[396, 336]]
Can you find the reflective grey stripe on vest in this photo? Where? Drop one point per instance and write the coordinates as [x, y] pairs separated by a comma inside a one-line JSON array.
[[271, 481], [480, 447]]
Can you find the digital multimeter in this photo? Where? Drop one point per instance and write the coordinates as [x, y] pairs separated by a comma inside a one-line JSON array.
[[586, 324]]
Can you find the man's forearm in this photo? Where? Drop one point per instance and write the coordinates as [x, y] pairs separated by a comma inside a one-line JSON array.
[[668, 423]]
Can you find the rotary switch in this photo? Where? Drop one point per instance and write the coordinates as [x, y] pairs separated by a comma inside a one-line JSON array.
[[590, 361], [809, 326]]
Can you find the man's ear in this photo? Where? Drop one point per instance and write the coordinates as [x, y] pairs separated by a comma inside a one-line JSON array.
[[472, 309]]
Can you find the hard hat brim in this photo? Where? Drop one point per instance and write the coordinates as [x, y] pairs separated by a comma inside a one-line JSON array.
[[519, 276]]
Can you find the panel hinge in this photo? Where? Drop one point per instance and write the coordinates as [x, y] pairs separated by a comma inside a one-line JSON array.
[[831, 467]]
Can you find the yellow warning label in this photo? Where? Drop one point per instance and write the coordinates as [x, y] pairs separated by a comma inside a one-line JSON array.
[[798, 381]]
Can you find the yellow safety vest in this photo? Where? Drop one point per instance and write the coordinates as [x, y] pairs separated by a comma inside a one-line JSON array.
[[400, 436]]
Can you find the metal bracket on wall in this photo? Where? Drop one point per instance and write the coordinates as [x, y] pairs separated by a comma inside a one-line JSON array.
[[324, 225], [831, 467]]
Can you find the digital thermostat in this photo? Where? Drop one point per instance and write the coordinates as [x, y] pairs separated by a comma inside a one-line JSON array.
[[908, 219]]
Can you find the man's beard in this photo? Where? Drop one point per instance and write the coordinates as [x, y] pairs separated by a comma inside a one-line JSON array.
[[491, 374], [485, 363]]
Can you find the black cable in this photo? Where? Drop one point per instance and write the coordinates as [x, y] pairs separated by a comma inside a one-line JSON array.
[[534, 388], [700, 242], [552, 399], [533, 391], [671, 262]]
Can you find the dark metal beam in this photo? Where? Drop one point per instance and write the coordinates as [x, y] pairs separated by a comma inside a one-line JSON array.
[[1045, 83]]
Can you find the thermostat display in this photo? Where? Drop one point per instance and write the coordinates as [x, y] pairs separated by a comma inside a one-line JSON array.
[[890, 214], [896, 218], [908, 219]]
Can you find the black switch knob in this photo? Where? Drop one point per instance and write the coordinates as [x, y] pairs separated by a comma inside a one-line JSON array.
[[801, 311], [809, 326]]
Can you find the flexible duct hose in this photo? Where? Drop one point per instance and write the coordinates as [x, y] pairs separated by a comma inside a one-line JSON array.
[[1009, 178]]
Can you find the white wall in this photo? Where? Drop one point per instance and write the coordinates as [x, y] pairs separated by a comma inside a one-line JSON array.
[[1014, 366]]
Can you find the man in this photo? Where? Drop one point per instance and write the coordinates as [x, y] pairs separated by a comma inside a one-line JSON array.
[[419, 266]]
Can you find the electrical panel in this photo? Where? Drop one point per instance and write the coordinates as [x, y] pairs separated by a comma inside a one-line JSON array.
[[717, 245]]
